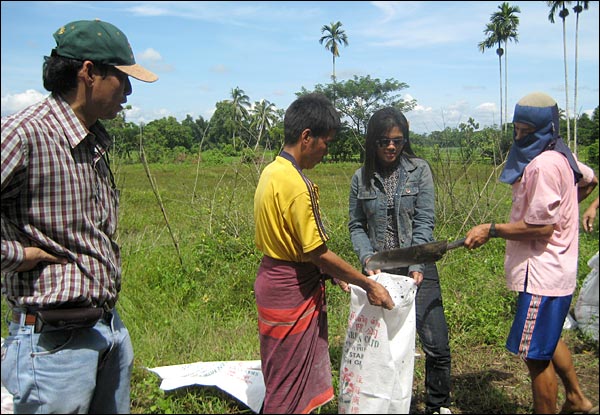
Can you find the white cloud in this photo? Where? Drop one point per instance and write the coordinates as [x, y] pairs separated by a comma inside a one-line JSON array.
[[16, 102], [150, 55], [487, 107], [422, 109], [418, 109]]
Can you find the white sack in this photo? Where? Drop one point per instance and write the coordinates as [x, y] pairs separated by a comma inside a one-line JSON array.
[[376, 373], [586, 307]]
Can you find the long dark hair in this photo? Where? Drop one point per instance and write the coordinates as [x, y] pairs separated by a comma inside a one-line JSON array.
[[380, 123]]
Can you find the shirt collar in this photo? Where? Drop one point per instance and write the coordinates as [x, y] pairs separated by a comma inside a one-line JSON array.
[[75, 131], [72, 127]]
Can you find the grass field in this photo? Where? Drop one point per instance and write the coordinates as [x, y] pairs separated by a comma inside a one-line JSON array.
[[189, 268]]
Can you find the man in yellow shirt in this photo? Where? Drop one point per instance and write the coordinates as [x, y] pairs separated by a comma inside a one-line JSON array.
[[290, 282]]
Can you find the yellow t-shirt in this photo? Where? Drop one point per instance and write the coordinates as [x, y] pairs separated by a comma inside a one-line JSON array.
[[286, 212]]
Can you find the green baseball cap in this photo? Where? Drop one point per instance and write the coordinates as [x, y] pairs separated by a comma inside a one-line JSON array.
[[100, 42]]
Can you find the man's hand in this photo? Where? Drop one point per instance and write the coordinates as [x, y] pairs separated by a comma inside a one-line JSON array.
[[589, 216], [477, 236], [379, 296], [34, 255]]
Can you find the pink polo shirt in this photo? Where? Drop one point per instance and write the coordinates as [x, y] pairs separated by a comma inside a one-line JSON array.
[[545, 195]]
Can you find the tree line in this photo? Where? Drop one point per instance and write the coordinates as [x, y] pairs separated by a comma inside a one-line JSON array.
[[239, 127]]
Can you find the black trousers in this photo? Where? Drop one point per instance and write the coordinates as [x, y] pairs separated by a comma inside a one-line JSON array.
[[432, 330]]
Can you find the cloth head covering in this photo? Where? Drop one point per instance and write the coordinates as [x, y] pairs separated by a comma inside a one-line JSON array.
[[100, 42], [540, 111]]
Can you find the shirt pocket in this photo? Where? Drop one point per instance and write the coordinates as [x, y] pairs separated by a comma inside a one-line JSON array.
[[368, 201], [408, 198]]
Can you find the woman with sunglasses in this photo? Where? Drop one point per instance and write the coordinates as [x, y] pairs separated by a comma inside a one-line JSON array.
[[392, 206]]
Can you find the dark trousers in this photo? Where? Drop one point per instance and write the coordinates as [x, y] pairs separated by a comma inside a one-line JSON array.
[[433, 336]]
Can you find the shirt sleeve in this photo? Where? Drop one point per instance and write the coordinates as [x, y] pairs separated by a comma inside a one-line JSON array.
[[303, 218], [543, 183], [588, 174], [13, 157]]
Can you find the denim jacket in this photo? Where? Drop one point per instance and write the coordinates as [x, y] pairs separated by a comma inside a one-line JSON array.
[[413, 209]]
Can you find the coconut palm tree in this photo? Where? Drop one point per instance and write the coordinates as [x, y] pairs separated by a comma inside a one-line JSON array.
[[334, 37], [240, 102], [264, 115], [508, 22], [581, 6], [563, 12], [492, 31]]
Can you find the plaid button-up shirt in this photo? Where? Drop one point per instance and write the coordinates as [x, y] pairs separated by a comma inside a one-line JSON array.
[[58, 194]]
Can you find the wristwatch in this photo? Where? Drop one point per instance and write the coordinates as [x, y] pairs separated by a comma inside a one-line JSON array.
[[493, 233]]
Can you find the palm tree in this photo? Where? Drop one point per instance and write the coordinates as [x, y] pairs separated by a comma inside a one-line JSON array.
[[264, 115], [508, 22], [581, 5], [240, 102], [563, 13], [335, 36], [493, 38]]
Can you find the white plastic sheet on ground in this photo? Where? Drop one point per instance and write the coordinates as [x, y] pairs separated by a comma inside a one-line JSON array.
[[376, 373], [241, 379]]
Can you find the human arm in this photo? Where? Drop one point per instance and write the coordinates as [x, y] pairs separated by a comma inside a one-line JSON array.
[[18, 256], [17, 251], [330, 263], [13, 172], [584, 190], [589, 215], [358, 223], [537, 203], [587, 183], [34, 255], [516, 231]]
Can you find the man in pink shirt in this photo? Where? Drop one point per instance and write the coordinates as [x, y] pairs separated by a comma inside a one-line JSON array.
[[541, 248]]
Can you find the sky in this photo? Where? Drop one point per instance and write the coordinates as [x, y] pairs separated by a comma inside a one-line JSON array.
[[201, 51]]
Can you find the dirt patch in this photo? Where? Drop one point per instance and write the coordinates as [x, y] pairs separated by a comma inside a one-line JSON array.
[[490, 380]]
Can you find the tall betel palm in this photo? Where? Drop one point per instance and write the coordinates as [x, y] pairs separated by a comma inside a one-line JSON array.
[[335, 36], [508, 22], [581, 6], [240, 102], [563, 12], [492, 31]]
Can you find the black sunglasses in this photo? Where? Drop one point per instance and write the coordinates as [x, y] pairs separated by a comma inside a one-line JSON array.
[[384, 142]]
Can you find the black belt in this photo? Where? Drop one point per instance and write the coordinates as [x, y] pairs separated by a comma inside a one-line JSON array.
[[61, 318]]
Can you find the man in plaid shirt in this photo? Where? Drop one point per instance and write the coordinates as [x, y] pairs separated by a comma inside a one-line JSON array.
[[68, 350]]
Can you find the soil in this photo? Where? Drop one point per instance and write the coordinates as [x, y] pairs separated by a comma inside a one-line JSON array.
[[493, 381]]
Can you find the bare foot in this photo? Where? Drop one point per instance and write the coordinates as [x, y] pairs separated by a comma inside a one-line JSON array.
[[583, 407]]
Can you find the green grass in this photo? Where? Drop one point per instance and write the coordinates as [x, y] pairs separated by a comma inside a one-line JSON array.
[[204, 310]]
